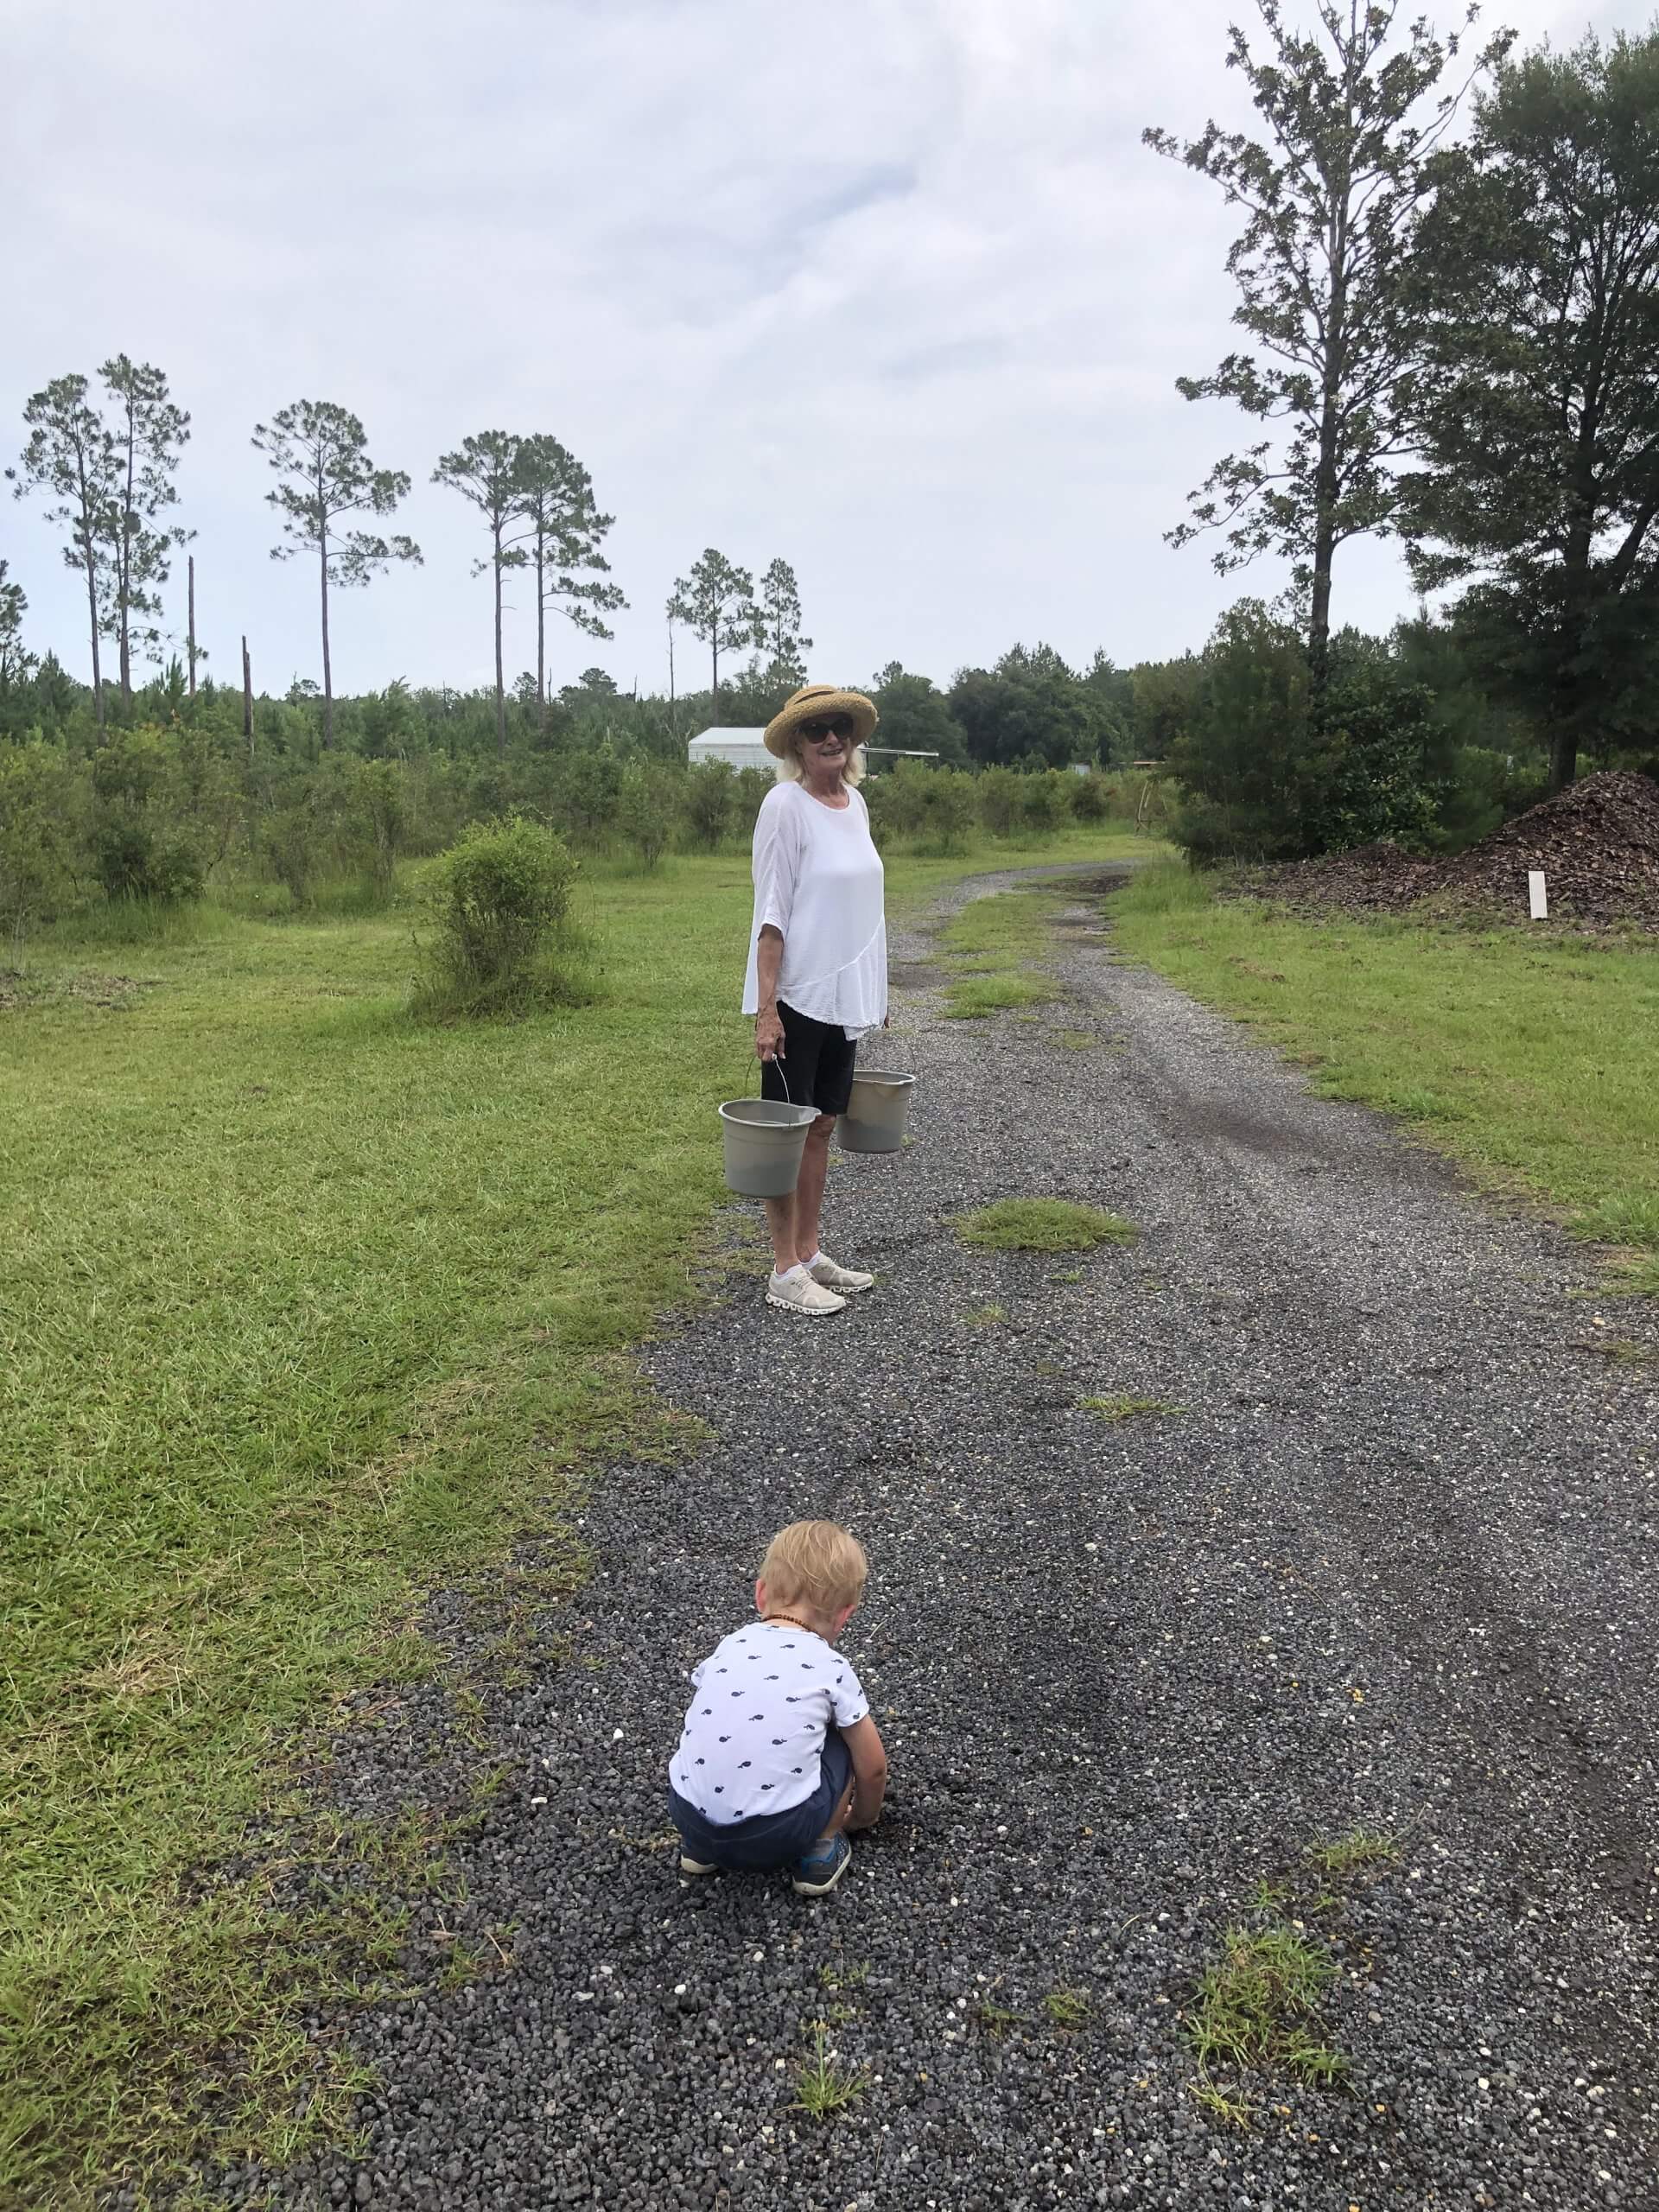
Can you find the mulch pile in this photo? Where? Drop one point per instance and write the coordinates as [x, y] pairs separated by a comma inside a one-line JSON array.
[[1598, 843]]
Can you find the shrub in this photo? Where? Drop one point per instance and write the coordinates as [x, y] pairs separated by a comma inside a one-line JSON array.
[[999, 800], [1045, 803], [138, 850], [34, 813], [951, 812], [501, 899], [1091, 797], [648, 808], [710, 802], [290, 843], [376, 821]]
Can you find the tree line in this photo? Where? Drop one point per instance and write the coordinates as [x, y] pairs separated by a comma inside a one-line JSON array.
[[106, 468], [1453, 342]]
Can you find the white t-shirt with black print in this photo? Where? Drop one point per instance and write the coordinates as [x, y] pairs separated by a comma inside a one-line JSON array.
[[767, 1697]]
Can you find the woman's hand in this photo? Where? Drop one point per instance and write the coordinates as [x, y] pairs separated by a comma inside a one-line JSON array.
[[768, 1035]]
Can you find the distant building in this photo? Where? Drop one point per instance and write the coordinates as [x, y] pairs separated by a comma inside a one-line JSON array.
[[738, 749]]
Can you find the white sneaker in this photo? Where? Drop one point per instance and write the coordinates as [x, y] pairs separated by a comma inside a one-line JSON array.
[[847, 1280], [796, 1293]]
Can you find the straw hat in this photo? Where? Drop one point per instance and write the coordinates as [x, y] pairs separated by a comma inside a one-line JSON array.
[[813, 700]]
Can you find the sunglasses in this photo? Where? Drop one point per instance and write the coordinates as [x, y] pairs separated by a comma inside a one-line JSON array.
[[828, 725]]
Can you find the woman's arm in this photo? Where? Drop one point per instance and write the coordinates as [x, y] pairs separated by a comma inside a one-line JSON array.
[[768, 1025]]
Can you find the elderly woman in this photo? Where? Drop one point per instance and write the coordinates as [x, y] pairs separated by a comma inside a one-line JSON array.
[[817, 978]]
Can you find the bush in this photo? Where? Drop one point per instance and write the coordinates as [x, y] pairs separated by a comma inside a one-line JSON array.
[[952, 813], [1046, 802], [501, 900], [34, 814], [710, 802], [1091, 797], [290, 843], [999, 800], [648, 808], [140, 850]]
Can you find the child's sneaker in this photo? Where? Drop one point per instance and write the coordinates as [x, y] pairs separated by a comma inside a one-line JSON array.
[[690, 1866], [818, 1871]]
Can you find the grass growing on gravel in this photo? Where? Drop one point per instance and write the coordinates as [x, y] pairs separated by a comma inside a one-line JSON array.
[[1067, 2008], [1258, 2006], [305, 1307], [993, 946], [824, 2086], [1042, 1225], [1119, 1405], [1527, 1058], [1346, 1854]]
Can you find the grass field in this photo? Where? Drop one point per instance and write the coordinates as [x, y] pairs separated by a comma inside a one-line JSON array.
[[306, 1307], [1529, 1058]]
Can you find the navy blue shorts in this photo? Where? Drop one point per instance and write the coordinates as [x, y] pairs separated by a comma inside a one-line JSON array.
[[767, 1840]]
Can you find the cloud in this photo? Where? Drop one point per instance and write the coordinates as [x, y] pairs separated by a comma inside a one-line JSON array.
[[888, 287]]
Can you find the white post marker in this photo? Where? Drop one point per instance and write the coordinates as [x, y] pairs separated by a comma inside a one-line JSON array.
[[1535, 892]]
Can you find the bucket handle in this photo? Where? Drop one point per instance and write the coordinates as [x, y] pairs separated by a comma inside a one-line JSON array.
[[776, 1061]]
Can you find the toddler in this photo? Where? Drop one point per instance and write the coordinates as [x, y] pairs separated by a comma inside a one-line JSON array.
[[779, 1756]]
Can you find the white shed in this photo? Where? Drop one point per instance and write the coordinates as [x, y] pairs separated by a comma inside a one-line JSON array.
[[738, 749]]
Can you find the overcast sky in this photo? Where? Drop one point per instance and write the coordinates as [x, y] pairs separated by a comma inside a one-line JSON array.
[[890, 288]]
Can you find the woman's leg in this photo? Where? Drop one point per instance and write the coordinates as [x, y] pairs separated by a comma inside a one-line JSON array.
[[808, 1189]]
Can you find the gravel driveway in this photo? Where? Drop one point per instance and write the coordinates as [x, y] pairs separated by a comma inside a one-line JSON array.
[[1390, 1562]]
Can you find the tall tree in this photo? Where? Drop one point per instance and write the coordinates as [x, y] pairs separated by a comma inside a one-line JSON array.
[[320, 453], [778, 631], [15, 662], [1540, 407], [150, 433], [716, 603], [1330, 197], [71, 457], [563, 533], [485, 470]]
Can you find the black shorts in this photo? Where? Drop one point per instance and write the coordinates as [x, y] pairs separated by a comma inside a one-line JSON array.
[[818, 1064]]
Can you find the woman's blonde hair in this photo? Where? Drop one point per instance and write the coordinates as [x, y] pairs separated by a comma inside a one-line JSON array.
[[815, 1564], [788, 770]]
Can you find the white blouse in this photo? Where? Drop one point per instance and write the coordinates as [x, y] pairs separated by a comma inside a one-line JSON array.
[[818, 878]]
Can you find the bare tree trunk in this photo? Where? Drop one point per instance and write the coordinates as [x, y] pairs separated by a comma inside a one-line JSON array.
[[541, 640], [673, 705], [328, 669], [247, 697], [191, 566], [714, 680], [92, 604], [500, 685], [125, 578]]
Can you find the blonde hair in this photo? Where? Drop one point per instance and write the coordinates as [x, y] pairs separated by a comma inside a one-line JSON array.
[[815, 1564], [789, 769]]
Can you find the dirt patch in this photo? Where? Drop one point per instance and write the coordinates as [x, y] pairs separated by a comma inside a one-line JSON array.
[[1598, 844]]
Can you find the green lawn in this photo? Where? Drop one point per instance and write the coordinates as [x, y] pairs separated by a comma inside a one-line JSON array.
[[304, 1308], [1529, 1059]]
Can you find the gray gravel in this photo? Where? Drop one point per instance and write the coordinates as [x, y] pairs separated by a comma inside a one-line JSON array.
[[1394, 1563]]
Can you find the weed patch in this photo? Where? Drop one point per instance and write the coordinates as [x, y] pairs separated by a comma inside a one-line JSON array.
[[1067, 2008], [1359, 1847], [1042, 1225], [823, 2087], [1256, 2006], [1120, 1407]]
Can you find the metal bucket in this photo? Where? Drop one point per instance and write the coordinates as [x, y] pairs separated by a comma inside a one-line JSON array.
[[764, 1140], [875, 1120]]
